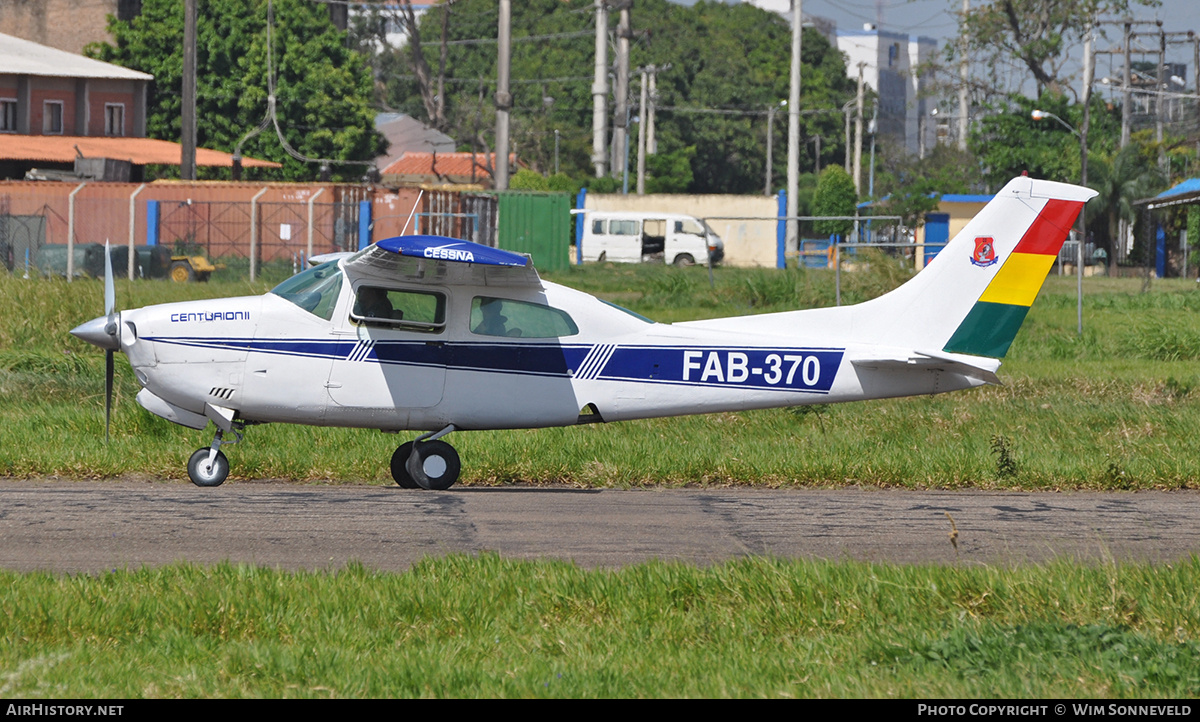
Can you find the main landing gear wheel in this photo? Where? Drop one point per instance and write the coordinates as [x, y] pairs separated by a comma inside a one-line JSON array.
[[399, 473], [430, 465], [202, 474]]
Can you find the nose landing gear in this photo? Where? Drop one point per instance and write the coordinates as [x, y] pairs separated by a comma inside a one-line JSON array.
[[209, 466]]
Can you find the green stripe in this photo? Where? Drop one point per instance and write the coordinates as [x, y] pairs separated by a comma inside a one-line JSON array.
[[988, 330]]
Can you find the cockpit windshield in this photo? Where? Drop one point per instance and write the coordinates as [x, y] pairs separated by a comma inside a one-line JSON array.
[[315, 290]]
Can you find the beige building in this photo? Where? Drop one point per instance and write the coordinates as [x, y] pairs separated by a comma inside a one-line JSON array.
[[64, 24]]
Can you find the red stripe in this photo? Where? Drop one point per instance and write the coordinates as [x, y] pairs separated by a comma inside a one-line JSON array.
[[1050, 229]]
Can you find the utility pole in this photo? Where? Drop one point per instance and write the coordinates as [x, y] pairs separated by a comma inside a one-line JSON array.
[[600, 93], [1089, 67], [1196, 58], [641, 168], [1126, 90], [848, 156], [770, 148], [963, 108], [873, 129], [621, 95], [858, 133], [187, 163], [1161, 85], [503, 96], [651, 143], [793, 163]]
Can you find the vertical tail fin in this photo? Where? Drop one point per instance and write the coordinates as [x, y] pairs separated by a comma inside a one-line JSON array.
[[992, 323], [974, 296]]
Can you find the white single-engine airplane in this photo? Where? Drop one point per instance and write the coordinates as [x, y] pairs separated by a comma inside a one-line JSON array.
[[440, 335]]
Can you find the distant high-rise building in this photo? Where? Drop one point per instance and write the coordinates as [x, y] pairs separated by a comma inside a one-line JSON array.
[[893, 66]]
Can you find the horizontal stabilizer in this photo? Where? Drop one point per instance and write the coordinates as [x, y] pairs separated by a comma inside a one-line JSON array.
[[974, 367]]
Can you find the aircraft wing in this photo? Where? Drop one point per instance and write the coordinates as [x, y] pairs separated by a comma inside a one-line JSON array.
[[442, 260], [974, 367]]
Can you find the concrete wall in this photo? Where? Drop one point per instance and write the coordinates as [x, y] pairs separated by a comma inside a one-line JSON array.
[[960, 213], [747, 242], [64, 24]]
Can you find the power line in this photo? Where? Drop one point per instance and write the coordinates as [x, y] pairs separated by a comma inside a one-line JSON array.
[[526, 38]]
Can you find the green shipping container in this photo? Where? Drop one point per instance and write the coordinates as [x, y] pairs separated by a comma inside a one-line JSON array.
[[538, 224]]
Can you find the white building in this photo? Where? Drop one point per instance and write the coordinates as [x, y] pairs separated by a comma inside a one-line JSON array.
[[892, 67]]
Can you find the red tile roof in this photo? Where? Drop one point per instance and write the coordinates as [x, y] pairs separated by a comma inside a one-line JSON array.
[[139, 151], [445, 166]]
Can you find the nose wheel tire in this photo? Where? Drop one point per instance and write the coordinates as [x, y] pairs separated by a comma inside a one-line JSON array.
[[202, 474], [434, 465]]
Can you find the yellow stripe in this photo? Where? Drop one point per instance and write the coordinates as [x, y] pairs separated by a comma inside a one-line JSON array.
[[1018, 281]]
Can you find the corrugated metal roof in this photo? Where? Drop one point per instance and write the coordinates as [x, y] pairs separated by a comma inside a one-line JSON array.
[[966, 198], [139, 151], [1191, 185], [24, 57]]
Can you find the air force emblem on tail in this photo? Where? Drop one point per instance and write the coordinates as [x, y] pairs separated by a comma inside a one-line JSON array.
[[985, 251], [449, 253]]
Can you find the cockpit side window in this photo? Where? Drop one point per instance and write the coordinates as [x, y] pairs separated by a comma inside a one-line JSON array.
[[410, 310], [315, 290], [519, 319]]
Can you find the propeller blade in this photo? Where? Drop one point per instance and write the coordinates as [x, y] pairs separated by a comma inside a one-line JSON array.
[[110, 292], [108, 391]]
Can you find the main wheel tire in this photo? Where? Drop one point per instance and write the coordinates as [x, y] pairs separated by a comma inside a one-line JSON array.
[[399, 473], [182, 272], [434, 466], [683, 260], [199, 472]]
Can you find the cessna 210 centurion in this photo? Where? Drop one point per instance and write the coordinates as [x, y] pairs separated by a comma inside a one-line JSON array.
[[439, 335]]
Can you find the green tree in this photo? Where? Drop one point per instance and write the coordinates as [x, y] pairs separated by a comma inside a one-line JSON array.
[[914, 186], [1011, 142], [528, 180], [1038, 33], [727, 65], [670, 172], [323, 90], [1122, 178], [835, 196]]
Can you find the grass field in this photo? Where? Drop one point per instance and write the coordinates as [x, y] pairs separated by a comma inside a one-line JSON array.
[[1114, 409], [487, 627]]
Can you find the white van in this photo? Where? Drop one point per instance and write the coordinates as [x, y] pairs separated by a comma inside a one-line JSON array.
[[629, 237]]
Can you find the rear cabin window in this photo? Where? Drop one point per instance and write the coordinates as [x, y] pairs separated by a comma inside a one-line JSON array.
[[519, 319], [598, 227], [408, 310]]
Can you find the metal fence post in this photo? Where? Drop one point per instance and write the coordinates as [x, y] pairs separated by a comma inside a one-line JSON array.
[[254, 232], [311, 201], [781, 234], [132, 223], [71, 233]]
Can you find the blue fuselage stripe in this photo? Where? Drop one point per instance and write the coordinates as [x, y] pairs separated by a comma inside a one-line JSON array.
[[809, 370]]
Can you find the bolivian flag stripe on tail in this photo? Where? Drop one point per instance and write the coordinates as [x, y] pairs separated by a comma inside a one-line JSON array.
[[992, 323]]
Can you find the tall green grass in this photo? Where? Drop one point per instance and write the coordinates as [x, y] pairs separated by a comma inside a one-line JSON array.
[[1116, 408], [488, 627]]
